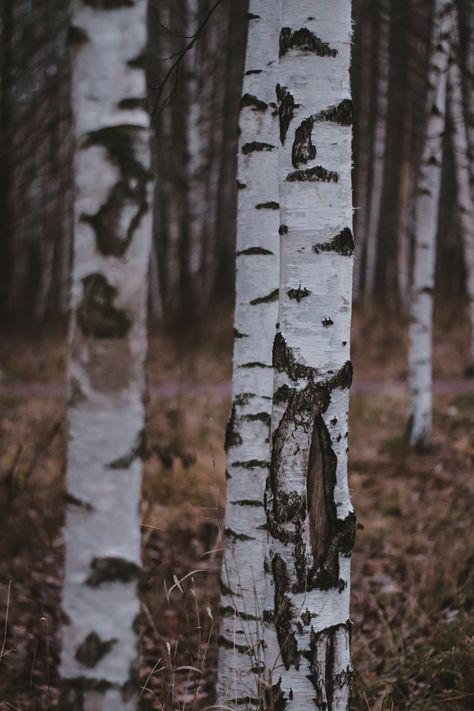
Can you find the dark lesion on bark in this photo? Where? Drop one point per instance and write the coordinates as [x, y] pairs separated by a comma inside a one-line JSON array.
[[92, 649], [272, 296], [271, 205], [109, 4], [112, 570], [298, 294], [303, 149], [318, 174], [286, 109], [304, 40], [130, 190], [254, 251], [133, 103], [274, 698], [322, 674], [342, 243], [234, 536], [252, 102], [77, 36], [256, 146], [284, 614], [97, 315], [138, 450], [339, 113], [232, 436]]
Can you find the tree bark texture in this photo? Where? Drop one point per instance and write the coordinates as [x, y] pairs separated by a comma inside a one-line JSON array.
[[112, 234], [248, 432], [310, 518], [425, 229]]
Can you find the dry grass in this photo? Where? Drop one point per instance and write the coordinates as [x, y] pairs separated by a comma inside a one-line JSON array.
[[413, 582]]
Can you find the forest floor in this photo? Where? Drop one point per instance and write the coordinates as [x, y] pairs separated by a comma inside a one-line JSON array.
[[413, 563]]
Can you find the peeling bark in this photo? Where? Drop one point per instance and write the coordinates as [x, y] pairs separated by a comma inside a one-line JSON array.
[[106, 362]]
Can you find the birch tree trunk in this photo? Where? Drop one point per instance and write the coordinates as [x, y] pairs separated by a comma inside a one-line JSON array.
[[247, 441], [380, 132], [107, 351], [310, 519], [425, 228], [465, 194]]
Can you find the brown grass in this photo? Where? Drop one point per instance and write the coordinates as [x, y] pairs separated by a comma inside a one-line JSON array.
[[413, 565]]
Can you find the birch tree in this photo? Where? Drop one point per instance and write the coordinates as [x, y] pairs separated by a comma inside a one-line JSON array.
[[107, 350], [241, 641], [425, 228], [310, 519], [465, 193]]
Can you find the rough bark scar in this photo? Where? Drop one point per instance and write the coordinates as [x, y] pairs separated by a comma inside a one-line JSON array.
[[92, 649], [321, 480], [250, 101], [284, 614], [139, 449], [340, 113], [73, 500], [305, 41], [273, 296], [254, 250], [303, 149], [130, 191], [298, 294], [286, 110], [272, 205], [232, 437], [318, 174], [342, 243], [77, 36], [97, 316], [323, 675]]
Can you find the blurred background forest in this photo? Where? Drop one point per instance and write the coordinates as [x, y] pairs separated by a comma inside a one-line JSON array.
[[413, 563]]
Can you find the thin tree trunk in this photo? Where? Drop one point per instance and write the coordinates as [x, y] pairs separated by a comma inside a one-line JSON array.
[[465, 194], [380, 133], [247, 442], [425, 229], [310, 519], [107, 350]]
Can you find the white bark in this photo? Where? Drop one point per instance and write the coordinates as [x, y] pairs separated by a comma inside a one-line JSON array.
[[310, 518], [241, 652], [425, 229], [380, 132], [465, 194], [107, 351]]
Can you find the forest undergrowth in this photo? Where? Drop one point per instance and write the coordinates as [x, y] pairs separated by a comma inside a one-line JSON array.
[[413, 563]]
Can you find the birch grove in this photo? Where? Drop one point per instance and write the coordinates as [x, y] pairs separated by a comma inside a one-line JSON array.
[[107, 350], [463, 171], [425, 230], [310, 519], [247, 441]]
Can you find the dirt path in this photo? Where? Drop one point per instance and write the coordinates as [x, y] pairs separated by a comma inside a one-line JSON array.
[[172, 389]]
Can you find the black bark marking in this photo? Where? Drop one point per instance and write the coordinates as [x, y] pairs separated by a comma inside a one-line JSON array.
[[283, 230], [272, 205], [138, 62], [76, 36], [275, 699], [286, 109], [318, 174], [341, 113], [305, 41], [139, 449], [73, 500], [255, 364], [303, 149], [229, 533], [248, 502], [238, 334], [252, 16], [284, 614], [108, 4], [327, 322], [322, 675], [138, 103], [284, 360], [298, 294], [93, 649], [130, 190], [251, 464], [250, 101], [232, 437], [342, 243], [243, 399], [96, 314], [255, 250], [252, 71], [282, 394], [240, 185], [256, 146], [230, 644], [111, 570], [259, 417], [273, 296]]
